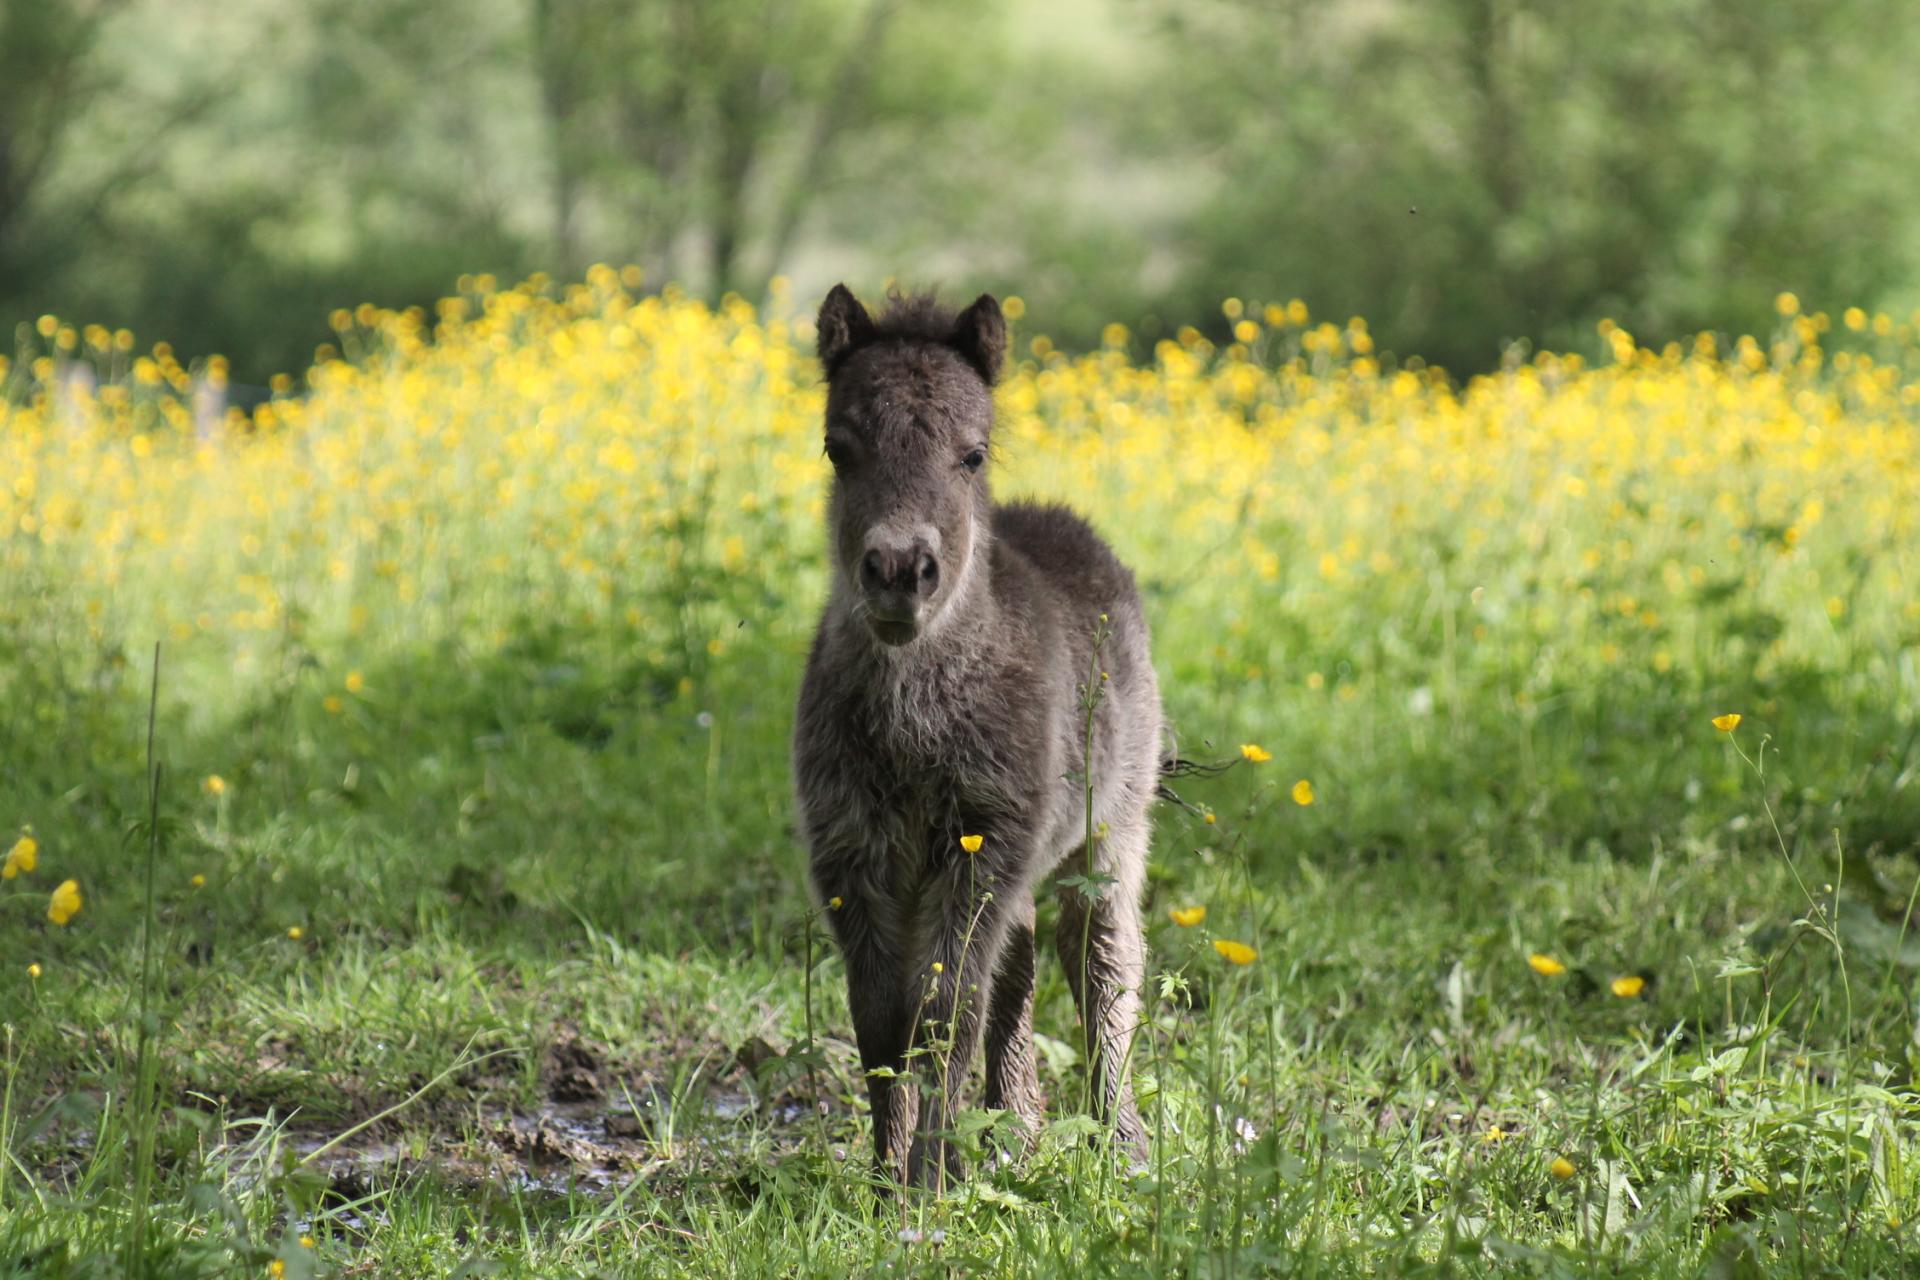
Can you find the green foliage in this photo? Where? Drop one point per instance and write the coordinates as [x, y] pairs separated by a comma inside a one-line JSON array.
[[488, 898], [1467, 174], [1472, 173]]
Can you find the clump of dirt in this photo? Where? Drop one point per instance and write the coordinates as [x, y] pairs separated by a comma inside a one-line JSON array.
[[572, 1068]]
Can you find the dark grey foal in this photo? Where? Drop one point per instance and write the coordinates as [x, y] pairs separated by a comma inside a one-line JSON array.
[[943, 699]]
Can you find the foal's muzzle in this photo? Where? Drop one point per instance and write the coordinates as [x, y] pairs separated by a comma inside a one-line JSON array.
[[898, 578]]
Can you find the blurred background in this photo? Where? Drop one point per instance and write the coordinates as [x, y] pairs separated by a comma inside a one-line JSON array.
[[1464, 173]]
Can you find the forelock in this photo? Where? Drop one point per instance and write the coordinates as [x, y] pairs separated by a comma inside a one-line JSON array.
[[914, 317], [914, 324]]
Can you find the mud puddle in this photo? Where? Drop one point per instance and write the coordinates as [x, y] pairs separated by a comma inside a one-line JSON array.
[[596, 1129]]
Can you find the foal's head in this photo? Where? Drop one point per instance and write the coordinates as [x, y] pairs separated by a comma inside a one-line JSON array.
[[909, 415]]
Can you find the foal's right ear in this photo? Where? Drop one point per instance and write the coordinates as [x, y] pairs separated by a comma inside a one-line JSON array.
[[843, 325]]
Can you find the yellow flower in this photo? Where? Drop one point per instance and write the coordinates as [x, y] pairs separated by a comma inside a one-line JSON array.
[[214, 785], [1303, 792], [33, 970], [199, 881], [296, 932], [355, 682], [1546, 965], [276, 1269], [1208, 818], [1629, 986], [24, 856], [972, 843], [1728, 722], [835, 903], [1562, 1168], [65, 903], [333, 704], [306, 1242], [1235, 952], [1254, 752], [1493, 1134], [1187, 917], [938, 967]]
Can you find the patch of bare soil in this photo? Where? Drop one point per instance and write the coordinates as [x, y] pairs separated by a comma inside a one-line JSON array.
[[600, 1123]]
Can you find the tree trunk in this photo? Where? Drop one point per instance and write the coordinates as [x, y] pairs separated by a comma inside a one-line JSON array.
[[843, 92], [556, 69]]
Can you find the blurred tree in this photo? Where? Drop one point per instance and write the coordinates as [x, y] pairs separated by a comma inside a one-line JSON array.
[[702, 125], [222, 173], [339, 151], [1470, 172], [45, 71], [51, 74]]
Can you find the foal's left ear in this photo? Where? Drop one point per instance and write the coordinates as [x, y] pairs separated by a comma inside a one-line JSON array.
[[980, 334]]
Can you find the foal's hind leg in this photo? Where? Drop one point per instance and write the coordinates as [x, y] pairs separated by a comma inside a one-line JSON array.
[[1012, 1082], [1101, 945]]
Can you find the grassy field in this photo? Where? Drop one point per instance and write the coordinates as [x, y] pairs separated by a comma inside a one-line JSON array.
[[462, 929]]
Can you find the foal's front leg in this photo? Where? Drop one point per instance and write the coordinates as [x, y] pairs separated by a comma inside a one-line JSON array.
[[883, 1021], [1013, 1084], [966, 916]]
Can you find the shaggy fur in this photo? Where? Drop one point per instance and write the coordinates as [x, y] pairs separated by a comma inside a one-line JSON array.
[[943, 698]]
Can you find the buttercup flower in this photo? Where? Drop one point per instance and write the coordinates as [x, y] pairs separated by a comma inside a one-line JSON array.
[[1546, 965], [1255, 752], [1562, 1168], [214, 785], [972, 843], [1235, 952], [23, 856], [1187, 917], [1303, 792], [65, 903], [1629, 986], [1728, 722]]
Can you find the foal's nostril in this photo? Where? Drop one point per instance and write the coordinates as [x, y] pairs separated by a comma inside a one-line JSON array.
[[927, 575], [873, 571]]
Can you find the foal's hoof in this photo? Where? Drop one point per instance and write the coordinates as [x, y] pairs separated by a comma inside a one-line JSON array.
[[934, 1164]]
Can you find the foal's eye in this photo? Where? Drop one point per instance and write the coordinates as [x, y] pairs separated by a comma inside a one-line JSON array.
[[838, 454], [974, 460]]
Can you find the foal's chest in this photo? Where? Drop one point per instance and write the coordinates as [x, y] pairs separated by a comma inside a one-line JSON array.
[[938, 765]]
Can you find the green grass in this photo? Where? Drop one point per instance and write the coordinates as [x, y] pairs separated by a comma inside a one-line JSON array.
[[516, 877]]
